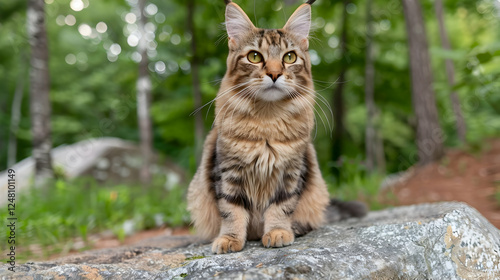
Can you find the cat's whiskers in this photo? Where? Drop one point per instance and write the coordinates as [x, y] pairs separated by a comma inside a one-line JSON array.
[[322, 99], [234, 108], [295, 97], [240, 99], [221, 37], [313, 39], [217, 97], [251, 93], [330, 84], [313, 93], [214, 82], [222, 110], [224, 93], [312, 105], [225, 111]]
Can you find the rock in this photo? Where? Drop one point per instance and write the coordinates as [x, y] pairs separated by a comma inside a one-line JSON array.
[[106, 159], [429, 241]]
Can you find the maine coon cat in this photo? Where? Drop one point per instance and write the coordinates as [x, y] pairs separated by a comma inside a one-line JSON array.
[[259, 176]]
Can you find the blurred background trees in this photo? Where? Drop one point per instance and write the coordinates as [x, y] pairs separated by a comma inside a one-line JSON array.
[[404, 82], [450, 73], [429, 133], [375, 158], [361, 66], [143, 86]]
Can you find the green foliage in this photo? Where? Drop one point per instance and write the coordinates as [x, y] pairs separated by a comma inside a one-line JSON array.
[[93, 93], [356, 184], [82, 207]]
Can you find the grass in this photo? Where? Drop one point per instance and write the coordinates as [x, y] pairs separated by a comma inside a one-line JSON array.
[[81, 207], [195, 258], [356, 184]]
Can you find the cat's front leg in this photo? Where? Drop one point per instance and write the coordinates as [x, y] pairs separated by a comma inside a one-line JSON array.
[[233, 206], [278, 220]]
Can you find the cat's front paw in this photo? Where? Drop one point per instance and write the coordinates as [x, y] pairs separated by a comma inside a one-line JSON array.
[[278, 238], [226, 244]]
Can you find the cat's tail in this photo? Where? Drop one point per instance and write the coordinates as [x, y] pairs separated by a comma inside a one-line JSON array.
[[339, 210]]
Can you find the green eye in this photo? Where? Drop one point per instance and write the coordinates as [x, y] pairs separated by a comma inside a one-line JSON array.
[[290, 57], [254, 57]]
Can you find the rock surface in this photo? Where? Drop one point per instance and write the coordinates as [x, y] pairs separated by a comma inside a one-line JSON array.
[[428, 241]]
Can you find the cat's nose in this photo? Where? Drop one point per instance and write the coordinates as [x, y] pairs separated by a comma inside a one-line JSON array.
[[274, 75], [273, 69]]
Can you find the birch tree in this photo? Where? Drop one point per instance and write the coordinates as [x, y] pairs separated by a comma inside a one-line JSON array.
[[40, 107], [144, 96]]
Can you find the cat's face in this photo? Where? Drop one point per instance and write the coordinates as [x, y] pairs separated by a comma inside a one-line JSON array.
[[269, 64]]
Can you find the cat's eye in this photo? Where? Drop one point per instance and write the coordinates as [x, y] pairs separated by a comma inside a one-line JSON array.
[[290, 57], [254, 57]]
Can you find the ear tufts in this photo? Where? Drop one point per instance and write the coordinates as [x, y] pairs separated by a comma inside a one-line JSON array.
[[237, 22], [310, 2], [299, 22]]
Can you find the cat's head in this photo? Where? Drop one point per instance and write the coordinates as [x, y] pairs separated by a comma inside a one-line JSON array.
[[269, 64]]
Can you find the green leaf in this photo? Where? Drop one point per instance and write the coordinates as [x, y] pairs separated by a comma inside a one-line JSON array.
[[484, 57]]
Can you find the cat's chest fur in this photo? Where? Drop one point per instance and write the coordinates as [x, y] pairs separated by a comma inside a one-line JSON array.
[[261, 158], [265, 144], [265, 149]]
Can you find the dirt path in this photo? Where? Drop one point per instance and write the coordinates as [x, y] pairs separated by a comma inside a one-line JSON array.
[[460, 176]]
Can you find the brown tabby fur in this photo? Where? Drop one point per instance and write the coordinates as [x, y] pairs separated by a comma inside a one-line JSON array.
[[259, 177]]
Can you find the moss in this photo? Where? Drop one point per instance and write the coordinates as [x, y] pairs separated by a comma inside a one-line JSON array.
[[195, 258]]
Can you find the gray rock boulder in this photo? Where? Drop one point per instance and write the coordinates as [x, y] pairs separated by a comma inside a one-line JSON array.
[[105, 159], [428, 241]]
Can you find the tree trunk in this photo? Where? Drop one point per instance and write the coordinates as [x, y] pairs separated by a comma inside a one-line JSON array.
[[16, 115], [338, 98], [429, 133], [450, 74], [144, 98], [375, 159], [198, 118], [40, 107]]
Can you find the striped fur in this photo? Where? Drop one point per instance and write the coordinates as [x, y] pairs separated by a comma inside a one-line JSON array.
[[259, 177]]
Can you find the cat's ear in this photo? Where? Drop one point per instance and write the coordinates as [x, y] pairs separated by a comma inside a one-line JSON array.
[[237, 23], [299, 24]]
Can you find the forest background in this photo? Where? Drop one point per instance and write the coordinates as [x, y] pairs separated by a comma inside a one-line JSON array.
[[367, 111]]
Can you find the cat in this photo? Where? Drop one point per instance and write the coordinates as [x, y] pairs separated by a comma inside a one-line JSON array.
[[259, 176]]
